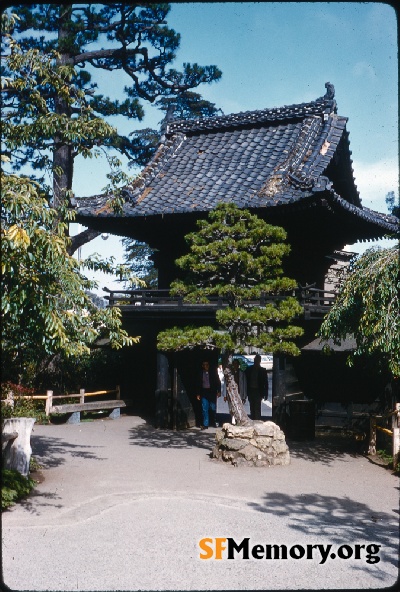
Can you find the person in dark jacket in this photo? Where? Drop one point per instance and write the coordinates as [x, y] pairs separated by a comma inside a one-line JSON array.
[[209, 388], [257, 386]]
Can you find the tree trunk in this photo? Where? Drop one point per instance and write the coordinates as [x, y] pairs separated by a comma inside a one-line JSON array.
[[63, 158], [235, 402], [62, 155]]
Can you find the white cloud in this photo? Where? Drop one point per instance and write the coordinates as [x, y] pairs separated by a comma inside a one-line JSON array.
[[364, 70], [375, 180]]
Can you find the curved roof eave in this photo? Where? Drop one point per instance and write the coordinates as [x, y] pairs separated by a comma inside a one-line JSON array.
[[258, 159]]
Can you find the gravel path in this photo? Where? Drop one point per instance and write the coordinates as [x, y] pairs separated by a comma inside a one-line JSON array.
[[123, 506]]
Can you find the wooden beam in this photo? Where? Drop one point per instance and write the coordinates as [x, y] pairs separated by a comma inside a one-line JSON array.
[[43, 397], [385, 430], [372, 436], [95, 405], [49, 402]]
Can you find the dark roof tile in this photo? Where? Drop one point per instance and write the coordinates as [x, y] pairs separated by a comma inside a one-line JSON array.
[[256, 158]]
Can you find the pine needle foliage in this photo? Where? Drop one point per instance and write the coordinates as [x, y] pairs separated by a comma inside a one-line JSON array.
[[237, 256]]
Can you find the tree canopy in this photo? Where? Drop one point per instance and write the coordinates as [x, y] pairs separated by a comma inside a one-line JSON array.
[[44, 300], [236, 255], [393, 204], [138, 260], [46, 307], [367, 307], [82, 40], [52, 113]]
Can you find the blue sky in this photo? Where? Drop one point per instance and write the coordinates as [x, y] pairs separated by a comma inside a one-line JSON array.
[[275, 54]]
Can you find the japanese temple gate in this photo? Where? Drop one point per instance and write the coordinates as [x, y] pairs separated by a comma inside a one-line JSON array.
[[290, 165]]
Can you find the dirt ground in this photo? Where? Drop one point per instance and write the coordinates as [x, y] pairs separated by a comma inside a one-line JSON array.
[[123, 506]]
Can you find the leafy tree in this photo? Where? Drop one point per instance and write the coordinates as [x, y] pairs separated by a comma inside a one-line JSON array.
[[45, 305], [132, 38], [368, 308], [138, 261], [237, 256]]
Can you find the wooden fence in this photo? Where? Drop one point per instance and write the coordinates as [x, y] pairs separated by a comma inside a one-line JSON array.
[[394, 433], [83, 405], [76, 407]]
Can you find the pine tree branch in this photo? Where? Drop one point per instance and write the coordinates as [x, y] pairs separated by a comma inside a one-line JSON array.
[[81, 239], [99, 54]]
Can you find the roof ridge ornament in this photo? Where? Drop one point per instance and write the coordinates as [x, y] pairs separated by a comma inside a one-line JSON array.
[[330, 91], [329, 99]]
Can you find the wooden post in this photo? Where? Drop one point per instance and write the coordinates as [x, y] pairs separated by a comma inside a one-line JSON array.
[[396, 436], [82, 395], [118, 392], [49, 402], [175, 399], [372, 436], [10, 399]]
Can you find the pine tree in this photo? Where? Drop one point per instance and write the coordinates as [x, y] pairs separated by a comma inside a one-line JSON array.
[[393, 204], [131, 38], [45, 302], [138, 261], [237, 256]]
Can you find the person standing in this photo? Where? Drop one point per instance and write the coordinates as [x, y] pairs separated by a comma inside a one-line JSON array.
[[209, 390], [257, 386]]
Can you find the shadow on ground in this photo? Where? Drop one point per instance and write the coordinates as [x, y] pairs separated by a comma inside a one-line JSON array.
[[51, 452], [342, 521], [326, 448], [147, 435]]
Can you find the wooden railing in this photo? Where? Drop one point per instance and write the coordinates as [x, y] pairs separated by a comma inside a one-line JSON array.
[[82, 405], [76, 407], [394, 433], [314, 301]]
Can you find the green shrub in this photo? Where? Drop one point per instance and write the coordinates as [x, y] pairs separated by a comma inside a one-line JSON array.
[[387, 457], [34, 465], [22, 407], [14, 486]]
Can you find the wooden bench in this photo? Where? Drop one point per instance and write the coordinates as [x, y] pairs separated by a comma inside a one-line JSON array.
[[75, 408]]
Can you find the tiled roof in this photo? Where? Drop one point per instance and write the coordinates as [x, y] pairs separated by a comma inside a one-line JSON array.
[[385, 221], [256, 159]]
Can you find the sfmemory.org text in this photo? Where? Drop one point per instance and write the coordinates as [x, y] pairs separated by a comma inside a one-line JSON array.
[[228, 548]]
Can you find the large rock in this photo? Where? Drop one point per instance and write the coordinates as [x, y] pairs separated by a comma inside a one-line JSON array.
[[260, 445]]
